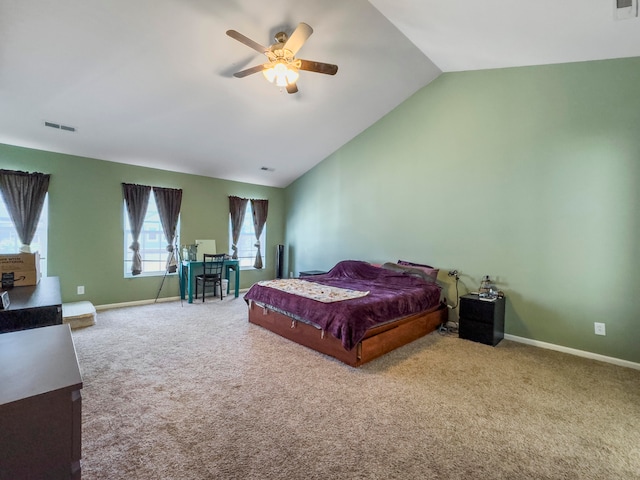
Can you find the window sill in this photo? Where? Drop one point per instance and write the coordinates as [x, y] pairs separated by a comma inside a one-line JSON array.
[[149, 274], [244, 269]]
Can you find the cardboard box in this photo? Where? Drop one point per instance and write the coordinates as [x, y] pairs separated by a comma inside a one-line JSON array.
[[24, 266]]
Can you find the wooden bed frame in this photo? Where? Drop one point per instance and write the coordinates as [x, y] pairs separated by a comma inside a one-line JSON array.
[[377, 341]]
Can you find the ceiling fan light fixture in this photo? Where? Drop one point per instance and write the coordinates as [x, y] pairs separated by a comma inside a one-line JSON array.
[[269, 74], [281, 74], [282, 67], [292, 75]]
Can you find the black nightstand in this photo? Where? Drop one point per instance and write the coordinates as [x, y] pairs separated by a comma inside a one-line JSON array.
[[480, 320]]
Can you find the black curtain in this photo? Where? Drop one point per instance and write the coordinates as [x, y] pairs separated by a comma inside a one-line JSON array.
[[237, 209], [168, 201], [24, 194], [259, 209], [136, 198]]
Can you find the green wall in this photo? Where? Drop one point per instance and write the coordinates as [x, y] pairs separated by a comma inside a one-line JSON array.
[[86, 222], [529, 175]]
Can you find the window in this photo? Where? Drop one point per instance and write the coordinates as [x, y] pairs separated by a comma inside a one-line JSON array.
[[246, 243], [10, 242], [153, 244]]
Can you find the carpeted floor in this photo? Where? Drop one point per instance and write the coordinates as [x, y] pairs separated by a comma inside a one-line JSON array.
[[196, 392]]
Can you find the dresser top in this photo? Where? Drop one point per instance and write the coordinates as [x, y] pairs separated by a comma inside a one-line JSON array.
[[37, 361], [44, 294]]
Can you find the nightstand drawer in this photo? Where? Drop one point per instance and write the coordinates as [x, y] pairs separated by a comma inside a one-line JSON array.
[[479, 332], [476, 309]]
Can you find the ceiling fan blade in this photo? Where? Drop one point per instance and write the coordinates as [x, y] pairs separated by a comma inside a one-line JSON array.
[[318, 67], [298, 37], [247, 41], [292, 88], [249, 71]]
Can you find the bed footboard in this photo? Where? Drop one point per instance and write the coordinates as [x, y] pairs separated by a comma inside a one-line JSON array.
[[377, 341]]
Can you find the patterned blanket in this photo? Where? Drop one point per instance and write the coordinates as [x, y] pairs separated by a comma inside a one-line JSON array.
[[314, 291]]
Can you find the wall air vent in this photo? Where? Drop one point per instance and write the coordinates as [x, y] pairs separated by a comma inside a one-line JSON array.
[[59, 127], [624, 9]]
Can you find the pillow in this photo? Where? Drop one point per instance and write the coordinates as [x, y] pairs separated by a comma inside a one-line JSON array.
[[393, 266], [428, 269], [409, 271]]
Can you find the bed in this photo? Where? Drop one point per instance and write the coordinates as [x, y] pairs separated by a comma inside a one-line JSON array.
[[355, 313]]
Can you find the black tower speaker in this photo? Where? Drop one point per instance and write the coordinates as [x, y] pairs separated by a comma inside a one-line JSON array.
[[279, 261]]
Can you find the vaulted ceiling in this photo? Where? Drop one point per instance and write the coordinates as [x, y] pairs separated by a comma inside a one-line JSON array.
[[149, 82]]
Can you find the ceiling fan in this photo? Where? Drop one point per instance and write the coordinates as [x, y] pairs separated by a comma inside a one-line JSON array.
[[283, 67]]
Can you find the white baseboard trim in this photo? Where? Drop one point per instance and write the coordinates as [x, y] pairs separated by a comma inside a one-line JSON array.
[[146, 302], [573, 351], [135, 303]]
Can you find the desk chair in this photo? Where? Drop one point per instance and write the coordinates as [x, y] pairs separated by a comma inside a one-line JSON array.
[[211, 274]]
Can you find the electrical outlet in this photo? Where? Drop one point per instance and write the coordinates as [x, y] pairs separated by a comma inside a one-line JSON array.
[[80, 289], [599, 328]]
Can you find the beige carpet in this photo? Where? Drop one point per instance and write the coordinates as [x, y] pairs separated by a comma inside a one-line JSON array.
[[195, 392]]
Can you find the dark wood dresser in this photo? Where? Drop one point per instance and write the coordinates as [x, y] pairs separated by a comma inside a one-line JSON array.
[[34, 306], [480, 320], [40, 405]]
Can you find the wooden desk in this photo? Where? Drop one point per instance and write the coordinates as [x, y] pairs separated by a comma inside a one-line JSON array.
[[40, 405], [188, 272], [33, 306]]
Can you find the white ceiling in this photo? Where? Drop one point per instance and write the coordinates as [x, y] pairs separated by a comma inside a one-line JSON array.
[[149, 82]]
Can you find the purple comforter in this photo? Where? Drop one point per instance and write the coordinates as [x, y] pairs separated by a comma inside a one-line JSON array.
[[392, 295]]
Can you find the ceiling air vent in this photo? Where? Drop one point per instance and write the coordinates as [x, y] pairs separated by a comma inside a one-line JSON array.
[[267, 169], [59, 127], [624, 9]]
